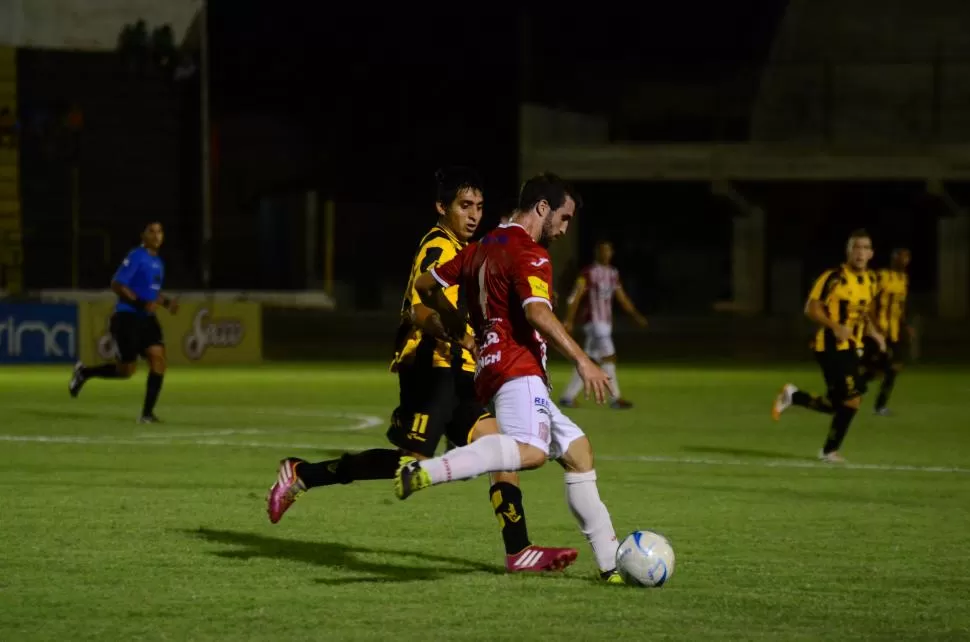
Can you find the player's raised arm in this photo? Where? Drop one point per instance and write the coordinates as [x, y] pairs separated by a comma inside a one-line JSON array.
[[628, 307], [572, 303], [815, 305]]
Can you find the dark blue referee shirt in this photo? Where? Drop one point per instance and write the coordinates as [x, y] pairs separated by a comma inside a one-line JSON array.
[[142, 273]]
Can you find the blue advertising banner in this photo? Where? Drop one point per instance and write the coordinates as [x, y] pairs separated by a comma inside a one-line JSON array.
[[38, 333]]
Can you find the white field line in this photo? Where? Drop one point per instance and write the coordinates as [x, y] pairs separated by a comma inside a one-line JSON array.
[[782, 463]]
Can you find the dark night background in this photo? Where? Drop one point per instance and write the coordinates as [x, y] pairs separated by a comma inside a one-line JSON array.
[[362, 106]]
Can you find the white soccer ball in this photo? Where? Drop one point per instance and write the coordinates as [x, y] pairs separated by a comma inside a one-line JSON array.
[[645, 558]]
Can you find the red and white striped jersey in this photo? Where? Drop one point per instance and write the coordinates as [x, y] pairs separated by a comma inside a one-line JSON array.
[[601, 282]]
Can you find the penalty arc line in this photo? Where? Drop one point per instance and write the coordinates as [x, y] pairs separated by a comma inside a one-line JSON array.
[[691, 461]]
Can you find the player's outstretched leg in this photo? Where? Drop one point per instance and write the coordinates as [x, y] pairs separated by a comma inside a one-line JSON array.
[[491, 453], [82, 373], [295, 476], [790, 396]]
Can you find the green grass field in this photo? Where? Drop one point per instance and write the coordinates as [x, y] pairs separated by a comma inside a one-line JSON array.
[[115, 531]]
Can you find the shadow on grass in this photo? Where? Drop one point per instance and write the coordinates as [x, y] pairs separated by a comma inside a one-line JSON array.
[[743, 452], [428, 566]]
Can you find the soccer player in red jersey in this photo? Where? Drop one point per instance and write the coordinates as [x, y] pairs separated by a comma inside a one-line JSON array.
[[437, 393], [592, 300], [505, 282]]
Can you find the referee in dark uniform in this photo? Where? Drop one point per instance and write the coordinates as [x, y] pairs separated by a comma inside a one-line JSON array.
[[134, 327]]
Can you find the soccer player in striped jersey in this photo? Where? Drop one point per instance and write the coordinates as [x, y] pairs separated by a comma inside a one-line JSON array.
[[839, 304], [592, 298], [892, 288]]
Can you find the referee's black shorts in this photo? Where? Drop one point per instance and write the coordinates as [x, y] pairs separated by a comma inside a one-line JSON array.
[[134, 334]]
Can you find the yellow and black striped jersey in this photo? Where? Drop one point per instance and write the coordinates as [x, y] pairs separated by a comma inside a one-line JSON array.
[[892, 288], [846, 296], [438, 246]]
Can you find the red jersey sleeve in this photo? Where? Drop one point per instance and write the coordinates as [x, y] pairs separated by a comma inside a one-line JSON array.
[[532, 277], [448, 274]]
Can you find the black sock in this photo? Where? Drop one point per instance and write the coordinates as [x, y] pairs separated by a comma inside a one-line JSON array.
[[888, 381], [151, 393], [104, 371], [818, 404], [840, 426], [378, 463], [507, 502]]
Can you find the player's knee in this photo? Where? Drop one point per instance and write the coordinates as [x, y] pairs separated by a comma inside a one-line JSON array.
[[531, 457], [505, 478], [126, 370], [487, 426], [855, 403], [896, 368], [578, 457], [157, 361]]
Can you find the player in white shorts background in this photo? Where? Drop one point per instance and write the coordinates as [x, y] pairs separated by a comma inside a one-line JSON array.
[[592, 299]]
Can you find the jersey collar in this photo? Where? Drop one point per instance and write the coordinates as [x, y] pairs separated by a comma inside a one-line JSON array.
[[451, 235]]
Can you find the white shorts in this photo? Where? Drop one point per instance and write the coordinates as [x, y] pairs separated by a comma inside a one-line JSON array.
[[526, 413], [599, 340]]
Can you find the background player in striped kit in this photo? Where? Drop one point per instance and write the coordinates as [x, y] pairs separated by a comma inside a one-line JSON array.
[[592, 297], [890, 318]]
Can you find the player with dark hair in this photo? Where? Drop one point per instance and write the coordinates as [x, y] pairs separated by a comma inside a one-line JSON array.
[[437, 397], [839, 303], [507, 278], [596, 287], [889, 315], [134, 326]]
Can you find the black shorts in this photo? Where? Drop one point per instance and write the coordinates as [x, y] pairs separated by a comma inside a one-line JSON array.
[[434, 403], [843, 373], [875, 359], [134, 334]]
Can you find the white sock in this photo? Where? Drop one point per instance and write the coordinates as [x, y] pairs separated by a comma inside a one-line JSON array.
[[584, 501], [574, 387], [491, 453], [610, 369]]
